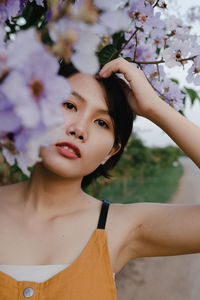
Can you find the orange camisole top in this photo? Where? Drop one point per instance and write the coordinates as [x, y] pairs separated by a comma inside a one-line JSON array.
[[89, 277]]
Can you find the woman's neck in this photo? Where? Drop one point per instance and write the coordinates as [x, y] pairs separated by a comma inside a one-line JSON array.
[[47, 194]]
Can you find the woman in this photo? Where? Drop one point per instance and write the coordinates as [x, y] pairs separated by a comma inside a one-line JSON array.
[[49, 220]]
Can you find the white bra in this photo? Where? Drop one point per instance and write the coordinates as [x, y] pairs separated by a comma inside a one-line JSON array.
[[37, 273]]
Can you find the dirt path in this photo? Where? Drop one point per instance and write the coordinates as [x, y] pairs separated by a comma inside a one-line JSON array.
[[171, 277]]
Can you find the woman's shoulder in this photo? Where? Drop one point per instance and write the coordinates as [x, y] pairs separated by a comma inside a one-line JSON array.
[[127, 211], [123, 214]]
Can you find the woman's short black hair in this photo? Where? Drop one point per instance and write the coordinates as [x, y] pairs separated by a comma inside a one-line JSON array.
[[121, 113]]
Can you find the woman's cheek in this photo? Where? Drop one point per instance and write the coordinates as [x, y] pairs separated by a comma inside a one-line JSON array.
[[100, 151], [45, 152]]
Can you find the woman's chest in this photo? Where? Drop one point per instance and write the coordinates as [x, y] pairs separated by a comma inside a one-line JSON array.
[[58, 242]]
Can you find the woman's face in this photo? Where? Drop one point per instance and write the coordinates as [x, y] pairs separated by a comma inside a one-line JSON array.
[[87, 125]]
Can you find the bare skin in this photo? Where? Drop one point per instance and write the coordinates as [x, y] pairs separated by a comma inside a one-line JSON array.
[[39, 241], [37, 216], [163, 229], [48, 219]]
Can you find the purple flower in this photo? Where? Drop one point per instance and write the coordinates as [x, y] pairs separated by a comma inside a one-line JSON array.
[[8, 9], [36, 90], [120, 21], [107, 4], [30, 98], [155, 27], [192, 14], [171, 92], [139, 12], [112, 10], [177, 50], [28, 59], [22, 5], [30, 155], [3, 56], [2, 35], [48, 15], [145, 50], [17, 55], [86, 47], [9, 122], [84, 58], [194, 72], [24, 2], [152, 74]]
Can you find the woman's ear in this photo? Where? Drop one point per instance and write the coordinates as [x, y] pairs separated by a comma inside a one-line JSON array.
[[112, 152]]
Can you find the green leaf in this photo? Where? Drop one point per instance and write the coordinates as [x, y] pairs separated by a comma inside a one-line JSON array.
[[107, 54], [184, 100], [181, 112], [14, 168], [24, 177], [174, 80], [46, 39], [33, 15], [192, 94], [158, 51], [118, 40]]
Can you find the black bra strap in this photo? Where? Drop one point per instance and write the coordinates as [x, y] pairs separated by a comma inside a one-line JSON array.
[[103, 214]]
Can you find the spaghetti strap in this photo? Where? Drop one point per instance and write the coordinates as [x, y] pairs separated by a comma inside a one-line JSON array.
[[103, 214]]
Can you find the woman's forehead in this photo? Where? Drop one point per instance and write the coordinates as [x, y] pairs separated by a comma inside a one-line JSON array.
[[87, 86]]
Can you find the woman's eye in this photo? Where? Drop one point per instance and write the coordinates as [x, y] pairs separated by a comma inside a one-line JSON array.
[[103, 124], [69, 105]]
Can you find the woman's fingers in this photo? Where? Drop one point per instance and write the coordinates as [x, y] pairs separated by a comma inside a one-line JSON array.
[[141, 96], [121, 65], [116, 65]]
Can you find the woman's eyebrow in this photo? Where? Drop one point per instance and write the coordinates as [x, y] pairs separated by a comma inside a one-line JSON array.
[[77, 95]]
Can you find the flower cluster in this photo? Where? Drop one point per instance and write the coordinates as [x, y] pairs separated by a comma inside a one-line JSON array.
[[30, 95], [193, 14], [12, 8], [88, 33]]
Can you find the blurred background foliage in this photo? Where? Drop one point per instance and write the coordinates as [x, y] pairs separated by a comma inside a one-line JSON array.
[[142, 174], [32, 15]]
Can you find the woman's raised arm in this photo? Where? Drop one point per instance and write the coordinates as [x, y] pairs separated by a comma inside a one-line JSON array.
[[161, 229], [145, 102]]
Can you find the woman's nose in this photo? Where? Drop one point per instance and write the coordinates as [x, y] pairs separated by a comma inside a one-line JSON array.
[[77, 132]]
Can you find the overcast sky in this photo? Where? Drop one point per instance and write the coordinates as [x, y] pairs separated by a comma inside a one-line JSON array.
[[151, 134]]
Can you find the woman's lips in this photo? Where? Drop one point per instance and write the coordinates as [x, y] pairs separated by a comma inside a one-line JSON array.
[[71, 146], [66, 152]]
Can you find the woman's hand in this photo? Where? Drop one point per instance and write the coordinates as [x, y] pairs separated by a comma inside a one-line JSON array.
[[145, 102], [141, 96]]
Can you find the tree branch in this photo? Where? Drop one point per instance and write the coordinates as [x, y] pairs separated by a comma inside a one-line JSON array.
[[161, 61], [122, 48]]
